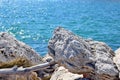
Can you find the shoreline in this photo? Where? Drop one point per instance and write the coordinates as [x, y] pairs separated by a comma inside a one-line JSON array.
[[73, 55]]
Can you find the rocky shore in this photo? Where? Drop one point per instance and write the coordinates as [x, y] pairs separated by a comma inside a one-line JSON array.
[[75, 58]]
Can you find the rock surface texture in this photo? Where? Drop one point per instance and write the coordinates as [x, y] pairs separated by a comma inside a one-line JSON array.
[[84, 56], [11, 48], [117, 59], [63, 74], [14, 52]]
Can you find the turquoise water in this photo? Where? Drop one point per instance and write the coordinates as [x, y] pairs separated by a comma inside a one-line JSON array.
[[33, 21]]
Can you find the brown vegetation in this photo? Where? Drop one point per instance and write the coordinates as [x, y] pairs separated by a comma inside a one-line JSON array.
[[18, 62]]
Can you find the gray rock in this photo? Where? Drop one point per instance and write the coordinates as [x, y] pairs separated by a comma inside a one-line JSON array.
[[80, 55], [117, 59], [14, 52], [70, 51], [11, 48], [105, 69]]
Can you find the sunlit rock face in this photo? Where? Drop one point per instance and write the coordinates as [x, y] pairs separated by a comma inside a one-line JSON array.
[[81, 55], [11, 48], [70, 51], [14, 52], [117, 59]]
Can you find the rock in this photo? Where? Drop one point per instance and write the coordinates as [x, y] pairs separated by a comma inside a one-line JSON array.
[[70, 51], [14, 52], [63, 74], [117, 59], [105, 69], [47, 58], [117, 51], [47, 73], [84, 56], [11, 48]]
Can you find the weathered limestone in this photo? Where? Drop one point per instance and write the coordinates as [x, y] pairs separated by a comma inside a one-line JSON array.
[[105, 69], [117, 59], [11, 48], [93, 58], [14, 52], [71, 51], [63, 74]]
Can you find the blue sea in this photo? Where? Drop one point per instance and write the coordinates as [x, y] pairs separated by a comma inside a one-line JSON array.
[[33, 21]]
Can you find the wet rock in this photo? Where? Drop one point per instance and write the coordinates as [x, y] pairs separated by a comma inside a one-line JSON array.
[[63, 74], [84, 56]]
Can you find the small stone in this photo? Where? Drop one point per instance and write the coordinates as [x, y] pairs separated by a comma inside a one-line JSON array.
[[63, 74]]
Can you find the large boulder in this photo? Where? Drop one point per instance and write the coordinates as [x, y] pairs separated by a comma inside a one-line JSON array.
[[105, 69], [117, 59], [14, 52], [71, 51], [84, 56], [11, 49], [63, 74]]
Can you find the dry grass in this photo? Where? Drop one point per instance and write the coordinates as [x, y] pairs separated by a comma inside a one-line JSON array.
[[18, 61]]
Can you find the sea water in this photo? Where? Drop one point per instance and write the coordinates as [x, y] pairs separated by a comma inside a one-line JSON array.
[[33, 21]]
